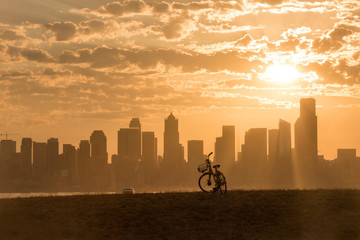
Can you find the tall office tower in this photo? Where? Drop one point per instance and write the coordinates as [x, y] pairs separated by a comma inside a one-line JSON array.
[[69, 160], [225, 148], [255, 156], [84, 164], [172, 148], [135, 123], [52, 157], [99, 153], [149, 159], [306, 144], [347, 167], [195, 153], [26, 151], [129, 146], [279, 164], [149, 149], [273, 149], [7, 150], [39, 159], [173, 166], [285, 168], [195, 158]]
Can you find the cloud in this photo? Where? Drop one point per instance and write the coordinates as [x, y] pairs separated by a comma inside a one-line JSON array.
[[37, 55], [149, 59], [11, 35], [334, 39], [244, 41], [63, 30], [123, 8]]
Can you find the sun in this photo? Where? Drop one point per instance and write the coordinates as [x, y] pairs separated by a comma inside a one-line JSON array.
[[281, 73]]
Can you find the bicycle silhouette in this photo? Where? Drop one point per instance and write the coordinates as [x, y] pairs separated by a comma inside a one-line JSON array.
[[211, 181]]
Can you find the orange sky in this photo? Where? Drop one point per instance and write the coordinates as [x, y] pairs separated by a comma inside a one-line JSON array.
[[69, 67]]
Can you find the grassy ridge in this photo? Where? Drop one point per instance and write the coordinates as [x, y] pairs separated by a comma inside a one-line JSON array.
[[318, 214]]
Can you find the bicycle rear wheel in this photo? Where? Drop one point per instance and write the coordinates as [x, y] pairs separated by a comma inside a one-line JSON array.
[[207, 182], [222, 180]]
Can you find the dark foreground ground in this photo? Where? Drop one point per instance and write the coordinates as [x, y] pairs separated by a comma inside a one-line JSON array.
[[319, 214]]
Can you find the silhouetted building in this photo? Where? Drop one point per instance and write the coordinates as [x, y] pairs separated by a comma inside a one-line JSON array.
[[149, 145], [348, 167], [26, 151], [255, 156], [225, 149], [129, 146], [149, 158], [195, 153], [99, 153], [280, 164], [39, 159], [52, 157], [69, 160], [85, 165], [306, 144], [173, 152], [7, 150]]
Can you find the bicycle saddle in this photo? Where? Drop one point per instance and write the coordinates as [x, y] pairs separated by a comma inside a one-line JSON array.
[[216, 166]]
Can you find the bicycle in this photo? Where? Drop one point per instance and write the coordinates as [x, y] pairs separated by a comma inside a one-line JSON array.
[[211, 181]]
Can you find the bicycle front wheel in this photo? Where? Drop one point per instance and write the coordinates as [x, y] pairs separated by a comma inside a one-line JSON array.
[[222, 182], [207, 183]]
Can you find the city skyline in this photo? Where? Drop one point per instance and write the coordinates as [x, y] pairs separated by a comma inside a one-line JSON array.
[[67, 68], [209, 145]]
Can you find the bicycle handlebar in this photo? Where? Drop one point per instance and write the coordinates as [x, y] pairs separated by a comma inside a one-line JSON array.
[[210, 154]]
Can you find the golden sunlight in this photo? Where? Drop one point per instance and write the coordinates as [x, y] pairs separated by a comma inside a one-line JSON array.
[[281, 73]]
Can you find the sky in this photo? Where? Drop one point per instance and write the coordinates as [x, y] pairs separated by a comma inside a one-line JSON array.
[[69, 67]]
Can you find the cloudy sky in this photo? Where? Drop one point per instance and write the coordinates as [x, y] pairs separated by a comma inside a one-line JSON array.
[[69, 67]]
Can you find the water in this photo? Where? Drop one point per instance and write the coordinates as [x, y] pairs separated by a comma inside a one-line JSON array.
[[44, 194]]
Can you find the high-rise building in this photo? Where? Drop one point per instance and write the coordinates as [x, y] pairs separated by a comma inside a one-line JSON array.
[[69, 160], [172, 148], [7, 151], [173, 164], [225, 148], [149, 149], [52, 156], [254, 156], [84, 164], [99, 153], [195, 153], [129, 147], [26, 152], [346, 163], [279, 164], [306, 144], [286, 174], [39, 159]]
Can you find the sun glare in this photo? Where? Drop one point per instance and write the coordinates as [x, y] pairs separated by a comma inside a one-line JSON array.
[[281, 73]]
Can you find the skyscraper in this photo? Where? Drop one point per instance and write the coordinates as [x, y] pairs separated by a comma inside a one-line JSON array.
[[69, 160], [173, 166], [195, 153], [149, 149], [129, 147], [7, 150], [225, 148], [279, 164], [172, 148], [99, 153], [254, 156], [84, 164], [52, 156], [306, 144], [26, 152], [39, 159]]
